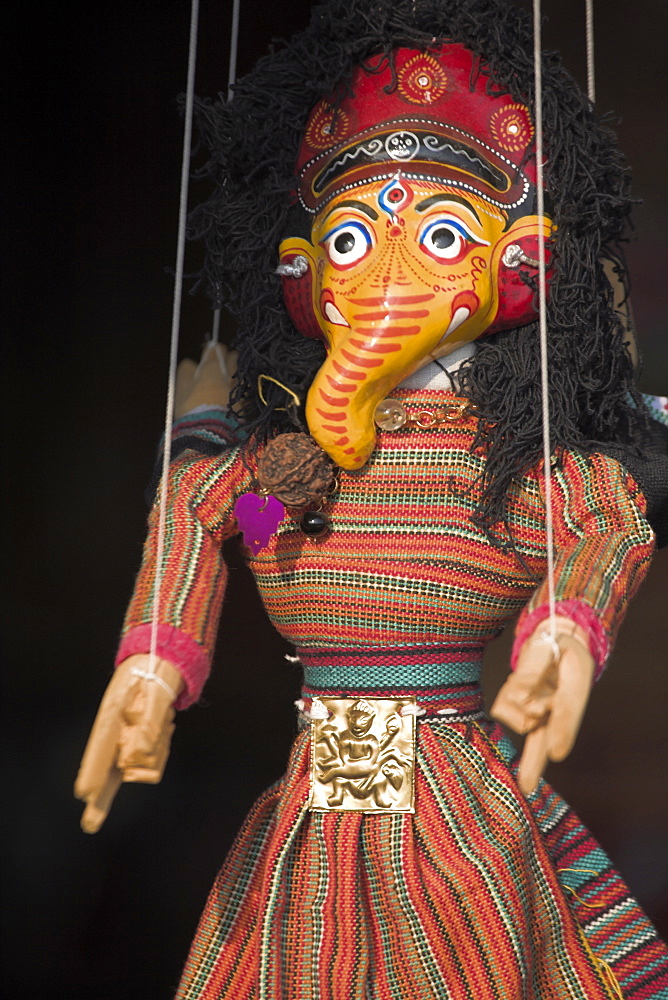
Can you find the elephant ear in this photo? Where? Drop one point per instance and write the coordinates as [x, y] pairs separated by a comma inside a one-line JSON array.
[[299, 286], [516, 296]]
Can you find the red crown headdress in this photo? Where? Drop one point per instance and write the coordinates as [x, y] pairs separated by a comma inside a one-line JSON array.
[[429, 114]]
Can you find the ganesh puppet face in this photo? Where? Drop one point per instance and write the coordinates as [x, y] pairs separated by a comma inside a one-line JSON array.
[[414, 198]]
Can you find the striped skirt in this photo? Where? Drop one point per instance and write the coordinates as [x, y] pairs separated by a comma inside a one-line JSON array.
[[480, 894]]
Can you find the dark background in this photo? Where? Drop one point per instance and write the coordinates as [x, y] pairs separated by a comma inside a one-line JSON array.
[[94, 141]]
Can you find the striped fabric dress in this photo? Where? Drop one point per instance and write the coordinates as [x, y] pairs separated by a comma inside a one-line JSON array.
[[480, 894]]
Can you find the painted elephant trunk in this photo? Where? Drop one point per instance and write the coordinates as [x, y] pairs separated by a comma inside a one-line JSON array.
[[392, 337], [342, 400], [364, 364]]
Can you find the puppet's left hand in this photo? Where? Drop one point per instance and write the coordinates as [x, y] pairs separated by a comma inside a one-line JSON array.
[[545, 697], [208, 383]]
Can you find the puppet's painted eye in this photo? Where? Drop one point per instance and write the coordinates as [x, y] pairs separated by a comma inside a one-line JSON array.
[[447, 239], [347, 243]]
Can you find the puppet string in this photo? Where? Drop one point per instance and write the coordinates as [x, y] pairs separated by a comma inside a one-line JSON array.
[[216, 325], [231, 78], [234, 45], [542, 313], [174, 344], [591, 83]]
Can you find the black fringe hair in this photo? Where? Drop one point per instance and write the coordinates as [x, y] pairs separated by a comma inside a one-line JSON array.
[[253, 143]]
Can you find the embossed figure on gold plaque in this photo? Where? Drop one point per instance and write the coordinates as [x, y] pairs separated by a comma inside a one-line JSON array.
[[363, 755]]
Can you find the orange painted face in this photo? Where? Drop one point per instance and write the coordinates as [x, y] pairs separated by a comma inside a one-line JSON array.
[[401, 272]]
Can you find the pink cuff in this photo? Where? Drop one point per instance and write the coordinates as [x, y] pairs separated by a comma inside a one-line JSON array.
[[188, 657], [578, 612]]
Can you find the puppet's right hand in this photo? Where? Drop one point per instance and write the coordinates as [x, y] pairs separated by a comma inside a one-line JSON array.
[[130, 737]]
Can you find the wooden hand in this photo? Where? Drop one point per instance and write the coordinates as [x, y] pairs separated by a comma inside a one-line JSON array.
[[130, 737], [208, 383], [546, 696]]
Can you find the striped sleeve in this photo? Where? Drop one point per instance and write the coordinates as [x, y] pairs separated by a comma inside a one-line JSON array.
[[603, 548], [201, 497], [207, 429]]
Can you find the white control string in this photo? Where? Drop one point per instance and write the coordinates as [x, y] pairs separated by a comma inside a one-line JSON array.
[[231, 78], [591, 82], [234, 46], [542, 313], [174, 343]]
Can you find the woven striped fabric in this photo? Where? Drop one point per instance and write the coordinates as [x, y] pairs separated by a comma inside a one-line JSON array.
[[658, 407], [404, 564], [481, 894], [469, 897], [206, 429]]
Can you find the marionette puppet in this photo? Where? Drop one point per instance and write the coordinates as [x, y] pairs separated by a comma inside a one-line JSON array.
[[376, 231]]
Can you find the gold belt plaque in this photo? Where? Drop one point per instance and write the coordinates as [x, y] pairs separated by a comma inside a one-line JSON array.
[[362, 755]]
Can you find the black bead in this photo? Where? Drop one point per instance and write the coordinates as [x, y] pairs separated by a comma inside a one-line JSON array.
[[315, 523]]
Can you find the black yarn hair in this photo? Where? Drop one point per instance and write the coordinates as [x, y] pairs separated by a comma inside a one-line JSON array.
[[253, 142]]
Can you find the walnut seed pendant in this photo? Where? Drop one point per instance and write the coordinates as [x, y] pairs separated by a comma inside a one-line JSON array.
[[293, 472]]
